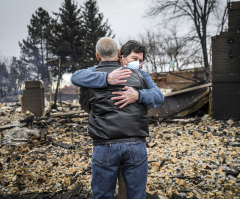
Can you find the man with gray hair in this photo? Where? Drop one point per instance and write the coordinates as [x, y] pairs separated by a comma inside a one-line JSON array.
[[106, 48], [118, 133]]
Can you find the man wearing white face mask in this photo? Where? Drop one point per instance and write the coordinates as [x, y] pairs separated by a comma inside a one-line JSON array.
[[130, 52]]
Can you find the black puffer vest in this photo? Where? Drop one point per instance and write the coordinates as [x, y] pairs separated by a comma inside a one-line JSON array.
[[107, 122]]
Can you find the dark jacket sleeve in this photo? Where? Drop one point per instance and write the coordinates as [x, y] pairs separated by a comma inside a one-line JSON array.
[[84, 99]]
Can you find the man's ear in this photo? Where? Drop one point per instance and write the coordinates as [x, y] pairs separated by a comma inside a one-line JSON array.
[[119, 53], [98, 57], [120, 57]]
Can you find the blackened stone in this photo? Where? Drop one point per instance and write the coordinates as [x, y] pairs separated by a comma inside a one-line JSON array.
[[175, 196], [149, 196], [232, 173]]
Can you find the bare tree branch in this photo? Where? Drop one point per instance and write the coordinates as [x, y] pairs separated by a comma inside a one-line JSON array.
[[198, 11]]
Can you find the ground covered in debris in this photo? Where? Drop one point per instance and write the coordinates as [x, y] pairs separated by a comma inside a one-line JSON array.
[[50, 157]]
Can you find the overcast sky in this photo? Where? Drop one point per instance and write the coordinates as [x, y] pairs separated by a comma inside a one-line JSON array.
[[124, 16]]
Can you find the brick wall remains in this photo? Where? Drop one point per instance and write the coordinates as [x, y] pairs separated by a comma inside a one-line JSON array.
[[226, 68], [33, 98]]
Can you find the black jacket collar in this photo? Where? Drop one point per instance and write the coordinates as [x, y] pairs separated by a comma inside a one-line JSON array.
[[109, 63]]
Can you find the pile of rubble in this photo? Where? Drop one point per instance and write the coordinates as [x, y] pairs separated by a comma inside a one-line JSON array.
[[51, 155], [195, 159]]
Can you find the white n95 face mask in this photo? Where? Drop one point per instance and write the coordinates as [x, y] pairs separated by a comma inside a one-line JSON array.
[[133, 65]]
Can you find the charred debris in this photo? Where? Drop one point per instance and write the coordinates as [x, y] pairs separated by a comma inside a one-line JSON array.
[[50, 156]]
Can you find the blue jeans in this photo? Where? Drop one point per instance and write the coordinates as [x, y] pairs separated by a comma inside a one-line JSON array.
[[106, 160]]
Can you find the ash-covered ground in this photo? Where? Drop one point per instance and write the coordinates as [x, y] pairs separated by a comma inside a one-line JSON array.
[[50, 157]]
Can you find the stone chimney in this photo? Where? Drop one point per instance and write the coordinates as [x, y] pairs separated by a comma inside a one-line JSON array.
[[226, 68], [33, 98]]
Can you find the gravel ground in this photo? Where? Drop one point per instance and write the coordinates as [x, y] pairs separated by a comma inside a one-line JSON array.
[[51, 158]]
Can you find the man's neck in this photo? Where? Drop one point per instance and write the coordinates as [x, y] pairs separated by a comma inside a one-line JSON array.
[[113, 59]]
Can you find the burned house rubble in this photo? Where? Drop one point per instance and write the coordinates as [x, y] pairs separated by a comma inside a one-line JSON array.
[[50, 156]]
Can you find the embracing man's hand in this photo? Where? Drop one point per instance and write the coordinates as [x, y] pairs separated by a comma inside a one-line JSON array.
[[127, 96], [117, 76]]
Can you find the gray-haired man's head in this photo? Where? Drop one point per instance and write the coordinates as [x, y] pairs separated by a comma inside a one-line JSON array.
[[107, 48]]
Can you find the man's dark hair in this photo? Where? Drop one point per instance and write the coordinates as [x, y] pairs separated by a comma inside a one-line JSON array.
[[134, 46]]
